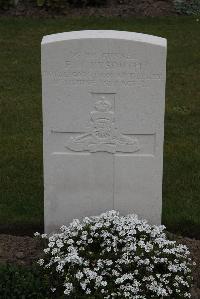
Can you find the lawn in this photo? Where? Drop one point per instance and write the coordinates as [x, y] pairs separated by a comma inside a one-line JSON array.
[[21, 204]]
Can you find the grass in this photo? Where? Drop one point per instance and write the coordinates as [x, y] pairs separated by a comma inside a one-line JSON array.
[[21, 203]]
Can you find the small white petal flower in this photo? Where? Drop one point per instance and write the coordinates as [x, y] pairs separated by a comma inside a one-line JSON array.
[[135, 256]]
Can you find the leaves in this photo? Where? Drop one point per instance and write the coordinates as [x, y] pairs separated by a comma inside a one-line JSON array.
[[187, 7], [41, 2], [22, 282]]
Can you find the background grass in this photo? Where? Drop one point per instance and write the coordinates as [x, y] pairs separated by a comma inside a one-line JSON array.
[[21, 203]]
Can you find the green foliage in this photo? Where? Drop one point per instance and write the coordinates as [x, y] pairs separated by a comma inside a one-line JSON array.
[[124, 1], [6, 4], [188, 7], [23, 282], [40, 2], [60, 4], [82, 3]]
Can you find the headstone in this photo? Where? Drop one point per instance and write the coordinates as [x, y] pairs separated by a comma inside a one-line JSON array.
[[103, 114]]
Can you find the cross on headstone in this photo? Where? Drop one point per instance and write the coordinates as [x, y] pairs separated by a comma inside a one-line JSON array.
[[103, 134]]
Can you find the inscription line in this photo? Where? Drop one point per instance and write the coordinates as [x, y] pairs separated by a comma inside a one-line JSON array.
[[82, 132], [115, 154]]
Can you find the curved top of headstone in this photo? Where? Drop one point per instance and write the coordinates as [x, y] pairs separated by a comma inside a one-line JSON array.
[[110, 34]]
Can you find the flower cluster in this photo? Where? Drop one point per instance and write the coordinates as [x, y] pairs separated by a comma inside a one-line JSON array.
[[112, 256]]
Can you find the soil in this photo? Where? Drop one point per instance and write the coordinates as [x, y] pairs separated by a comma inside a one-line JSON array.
[[114, 8], [24, 250]]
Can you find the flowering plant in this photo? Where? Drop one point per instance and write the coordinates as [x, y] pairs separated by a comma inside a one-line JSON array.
[[112, 256]]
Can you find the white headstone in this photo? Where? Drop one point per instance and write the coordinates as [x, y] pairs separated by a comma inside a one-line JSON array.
[[103, 114]]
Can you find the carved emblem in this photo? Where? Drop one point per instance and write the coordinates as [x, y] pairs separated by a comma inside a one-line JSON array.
[[103, 135]]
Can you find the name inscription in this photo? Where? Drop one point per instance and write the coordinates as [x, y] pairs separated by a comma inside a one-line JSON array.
[[91, 68]]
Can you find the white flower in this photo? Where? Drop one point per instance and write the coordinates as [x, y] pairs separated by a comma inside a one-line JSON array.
[[51, 244], [70, 241], [104, 283], [83, 285], [59, 243], [40, 262], [88, 291], [54, 251], [68, 288], [36, 234], [46, 250], [79, 275], [44, 236], [117, 256]]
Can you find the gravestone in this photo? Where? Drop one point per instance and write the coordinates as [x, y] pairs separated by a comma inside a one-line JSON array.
[[103, 115]]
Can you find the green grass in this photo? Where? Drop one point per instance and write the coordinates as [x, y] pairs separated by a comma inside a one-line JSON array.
[[21, 203]]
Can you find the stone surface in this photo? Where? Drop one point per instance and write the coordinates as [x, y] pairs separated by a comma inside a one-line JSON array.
[[103, 116]]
